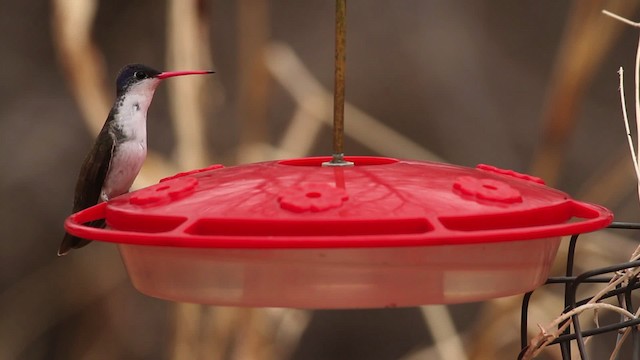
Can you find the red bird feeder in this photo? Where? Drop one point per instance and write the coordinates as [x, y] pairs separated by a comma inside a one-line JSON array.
[[381, 233], [354, 232]]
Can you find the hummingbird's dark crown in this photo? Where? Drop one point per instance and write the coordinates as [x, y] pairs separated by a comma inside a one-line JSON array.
[[131, 74]]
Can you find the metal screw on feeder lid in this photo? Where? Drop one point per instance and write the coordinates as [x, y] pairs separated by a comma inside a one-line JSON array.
[[338, 95], [337, 160]]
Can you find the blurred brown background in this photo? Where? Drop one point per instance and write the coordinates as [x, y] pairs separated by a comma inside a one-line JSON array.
[[530, 86]]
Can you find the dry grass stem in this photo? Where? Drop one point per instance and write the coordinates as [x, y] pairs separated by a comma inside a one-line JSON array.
[[185, 39], [289, 326], [188, 48], [447, 341], [302, 131], [186, 332]]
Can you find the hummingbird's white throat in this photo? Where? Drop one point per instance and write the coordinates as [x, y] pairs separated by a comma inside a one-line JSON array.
[[131, 117], [129, 154]]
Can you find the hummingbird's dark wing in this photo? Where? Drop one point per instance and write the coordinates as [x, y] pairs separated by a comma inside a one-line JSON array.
[[94, 170], [92, 176]]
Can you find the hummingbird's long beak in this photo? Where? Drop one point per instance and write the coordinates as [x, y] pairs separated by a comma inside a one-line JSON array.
[[168, 74]]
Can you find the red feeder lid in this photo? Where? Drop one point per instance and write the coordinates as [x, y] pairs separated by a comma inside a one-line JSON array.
[[379, 202]]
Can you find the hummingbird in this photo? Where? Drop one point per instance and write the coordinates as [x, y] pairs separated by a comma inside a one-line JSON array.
[[121, 146]]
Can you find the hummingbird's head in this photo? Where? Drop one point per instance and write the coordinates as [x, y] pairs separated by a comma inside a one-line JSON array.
[[145, 79], [137, 76]]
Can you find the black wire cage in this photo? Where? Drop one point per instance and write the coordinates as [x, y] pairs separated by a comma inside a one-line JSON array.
[[622, 294]]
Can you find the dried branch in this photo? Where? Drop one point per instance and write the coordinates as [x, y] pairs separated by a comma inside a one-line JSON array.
[[552, 331]]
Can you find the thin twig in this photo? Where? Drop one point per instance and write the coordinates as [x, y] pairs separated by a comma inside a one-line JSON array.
[[616, 349], [620, 18], [621, 340], [637, 92], [552, 331], [626, 124]]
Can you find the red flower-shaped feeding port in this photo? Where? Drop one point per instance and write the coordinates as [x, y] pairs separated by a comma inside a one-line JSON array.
[[313, 197], [487, 190], [162, 194]]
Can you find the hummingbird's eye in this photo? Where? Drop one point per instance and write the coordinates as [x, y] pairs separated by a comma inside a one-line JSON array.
[[140, 75]]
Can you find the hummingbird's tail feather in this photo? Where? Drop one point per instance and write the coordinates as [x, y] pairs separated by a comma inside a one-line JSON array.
[[73, 242]]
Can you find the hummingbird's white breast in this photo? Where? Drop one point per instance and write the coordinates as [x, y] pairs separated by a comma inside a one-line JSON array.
[[130, 131]]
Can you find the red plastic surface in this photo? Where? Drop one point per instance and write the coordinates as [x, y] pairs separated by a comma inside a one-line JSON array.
[[379, 202]]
